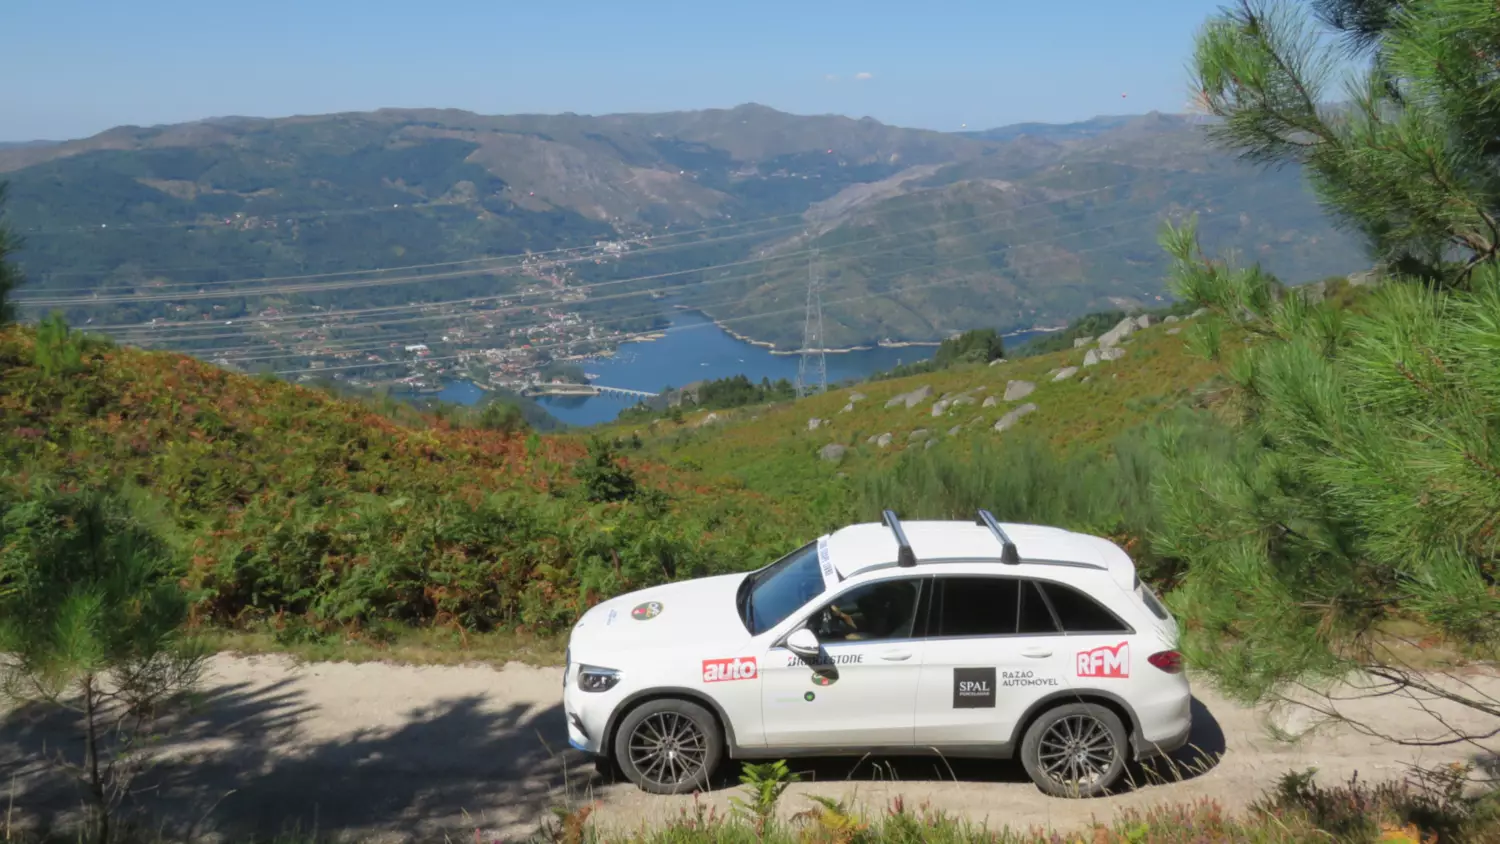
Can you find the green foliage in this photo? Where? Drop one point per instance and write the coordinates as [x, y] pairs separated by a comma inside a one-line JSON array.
[[91, 612], [1362, 483], [763, 784], [1409, 162], [603, 476], [500, 415], [979, 346], [10, 277]]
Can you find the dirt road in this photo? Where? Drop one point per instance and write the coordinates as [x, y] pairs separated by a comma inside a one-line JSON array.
[[399, 752]]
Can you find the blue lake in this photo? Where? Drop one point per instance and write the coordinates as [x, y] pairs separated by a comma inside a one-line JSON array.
[[694, 349]]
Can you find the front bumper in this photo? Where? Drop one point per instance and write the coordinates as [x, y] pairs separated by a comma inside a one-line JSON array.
[[587, 714]]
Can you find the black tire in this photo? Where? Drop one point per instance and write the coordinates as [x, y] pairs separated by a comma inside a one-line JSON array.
[[1095, 737], [606, 768], [669, 746]]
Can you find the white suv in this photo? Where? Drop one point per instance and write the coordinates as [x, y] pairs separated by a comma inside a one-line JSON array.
[[960, 638]]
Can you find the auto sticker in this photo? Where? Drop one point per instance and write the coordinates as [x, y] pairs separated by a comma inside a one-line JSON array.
[[973, 688], [1105, 661], [721, 670], [825, 564], [647, 611]]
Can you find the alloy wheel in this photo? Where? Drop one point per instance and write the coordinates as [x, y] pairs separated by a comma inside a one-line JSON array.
[[1077, 751], [669, 748]]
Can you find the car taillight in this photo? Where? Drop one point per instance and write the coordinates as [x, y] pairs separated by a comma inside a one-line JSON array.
[[1168, 661]]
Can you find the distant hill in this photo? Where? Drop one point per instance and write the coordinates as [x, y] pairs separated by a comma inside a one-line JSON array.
[[1027, 216]]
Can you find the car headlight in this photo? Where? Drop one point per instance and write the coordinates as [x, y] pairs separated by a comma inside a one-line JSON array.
[[592, 678]]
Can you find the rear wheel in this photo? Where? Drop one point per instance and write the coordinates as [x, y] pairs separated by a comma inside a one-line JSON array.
[[669, 746], [1075, 750]]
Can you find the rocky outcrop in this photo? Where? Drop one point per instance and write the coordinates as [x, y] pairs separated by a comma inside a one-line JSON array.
[[1010, 419], [814, 423], [833, 452], [919, 434], [989, 402], [1080, 342], [1017, 390], [911, 399], [1113, 337], [1143, 321], [1065, 373]]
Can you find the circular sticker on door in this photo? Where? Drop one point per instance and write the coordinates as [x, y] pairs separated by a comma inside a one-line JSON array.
[[824, 679], [809, 697], [646, 611]]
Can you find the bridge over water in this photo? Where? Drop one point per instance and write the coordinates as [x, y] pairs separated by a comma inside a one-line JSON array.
[[560, 388]]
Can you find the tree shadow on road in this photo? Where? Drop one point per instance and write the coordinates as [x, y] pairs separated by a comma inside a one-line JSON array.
[[235, 765]]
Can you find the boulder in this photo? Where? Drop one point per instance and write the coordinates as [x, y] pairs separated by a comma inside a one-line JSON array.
[[1091, 358], [833, 452], [919, 434], [989, 402], [1014, 416], [997, 361], [930, 444], [812, 424], [911, 399], [1112, 354], [940, 407], [1198, 313], [848, 407], [1016, 390], [1080, 342], [1124, 328], [953, 432], [856, 396], [1171, 318], [883, 440], [1065, 373], [710, 419], [961, 400], [1143, 321], [1177, 330]]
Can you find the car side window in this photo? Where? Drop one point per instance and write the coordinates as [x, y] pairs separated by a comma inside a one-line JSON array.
[[1079, 613], [885, 609], [975, 606], [1033, 616]]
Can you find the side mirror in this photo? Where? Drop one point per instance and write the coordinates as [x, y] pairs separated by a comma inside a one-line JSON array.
[[804, 643]]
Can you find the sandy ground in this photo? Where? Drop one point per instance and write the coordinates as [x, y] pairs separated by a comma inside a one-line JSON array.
[[399, 752]]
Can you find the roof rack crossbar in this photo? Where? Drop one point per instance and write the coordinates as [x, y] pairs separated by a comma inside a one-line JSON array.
[[905, 557], [1008, 553]]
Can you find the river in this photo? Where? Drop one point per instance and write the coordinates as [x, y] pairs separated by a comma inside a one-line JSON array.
[[694, 349]]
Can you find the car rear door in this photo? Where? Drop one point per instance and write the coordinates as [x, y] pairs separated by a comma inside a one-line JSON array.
[[993, 648], [861, 691]]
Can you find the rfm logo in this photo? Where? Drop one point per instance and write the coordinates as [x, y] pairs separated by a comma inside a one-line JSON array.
[[1105, 661], [719, 670]]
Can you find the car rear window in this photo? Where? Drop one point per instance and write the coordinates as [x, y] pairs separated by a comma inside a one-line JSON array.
[[1152, 602], [1079, 613]]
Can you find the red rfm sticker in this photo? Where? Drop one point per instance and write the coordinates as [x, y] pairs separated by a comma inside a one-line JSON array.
[[1105, 661]]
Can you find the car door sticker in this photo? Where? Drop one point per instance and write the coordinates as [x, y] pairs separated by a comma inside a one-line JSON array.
[[1025, 678], [647, 611], [1105, 661], [973, 688], [721, 670], [825, 678], [825, 564], [826, 659]]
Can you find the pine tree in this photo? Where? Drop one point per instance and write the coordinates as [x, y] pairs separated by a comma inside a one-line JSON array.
[[10, 277], [91, 613], [1409, 159]]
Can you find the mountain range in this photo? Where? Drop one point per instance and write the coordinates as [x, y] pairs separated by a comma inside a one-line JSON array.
[[914, 234]]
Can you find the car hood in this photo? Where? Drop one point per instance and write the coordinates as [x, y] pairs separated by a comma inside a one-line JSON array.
[[693, 612]]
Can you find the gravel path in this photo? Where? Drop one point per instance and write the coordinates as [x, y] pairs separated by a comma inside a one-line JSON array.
[[399, 752]]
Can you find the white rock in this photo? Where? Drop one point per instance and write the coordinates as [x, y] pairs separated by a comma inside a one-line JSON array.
[[989, 402], [1171, 318], [1124, 328], [1014, 416], [883, 440], [939, 408], [919, 434], [1143, 321], [1177, 330], [1016, 390], [1091, 358], [1065, 373], [832, 452], [1198, 313], [812, 424], [856, 396], [848, 407], [1112, 354], [953, 432], [1080, 342]]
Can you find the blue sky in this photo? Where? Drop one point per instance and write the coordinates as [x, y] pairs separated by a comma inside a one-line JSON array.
[[76, 67]]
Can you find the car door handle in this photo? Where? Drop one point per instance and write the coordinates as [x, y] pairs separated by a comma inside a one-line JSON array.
[[1036, 653], [896, 656]]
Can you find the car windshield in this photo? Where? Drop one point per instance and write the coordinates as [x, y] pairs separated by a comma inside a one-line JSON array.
[[778, 590]]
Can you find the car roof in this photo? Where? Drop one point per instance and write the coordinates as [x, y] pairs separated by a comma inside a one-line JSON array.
[[861, 547]]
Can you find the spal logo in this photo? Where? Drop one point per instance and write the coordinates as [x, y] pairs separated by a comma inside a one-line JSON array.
[[719, 670]]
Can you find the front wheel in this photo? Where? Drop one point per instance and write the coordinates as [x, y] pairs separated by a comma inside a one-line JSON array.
[[1075, 750], [669, 746]]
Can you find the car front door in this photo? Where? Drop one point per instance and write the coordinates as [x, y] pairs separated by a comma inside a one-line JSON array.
[[993, 648], [861, 690]]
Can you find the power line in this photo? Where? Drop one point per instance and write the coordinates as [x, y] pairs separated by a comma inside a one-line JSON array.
[[813, 357]]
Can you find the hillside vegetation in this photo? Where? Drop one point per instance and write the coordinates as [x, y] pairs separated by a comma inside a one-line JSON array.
[[286, 503]]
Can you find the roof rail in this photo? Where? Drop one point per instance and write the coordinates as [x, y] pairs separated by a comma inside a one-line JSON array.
[[1008, 553], [905, 557]]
